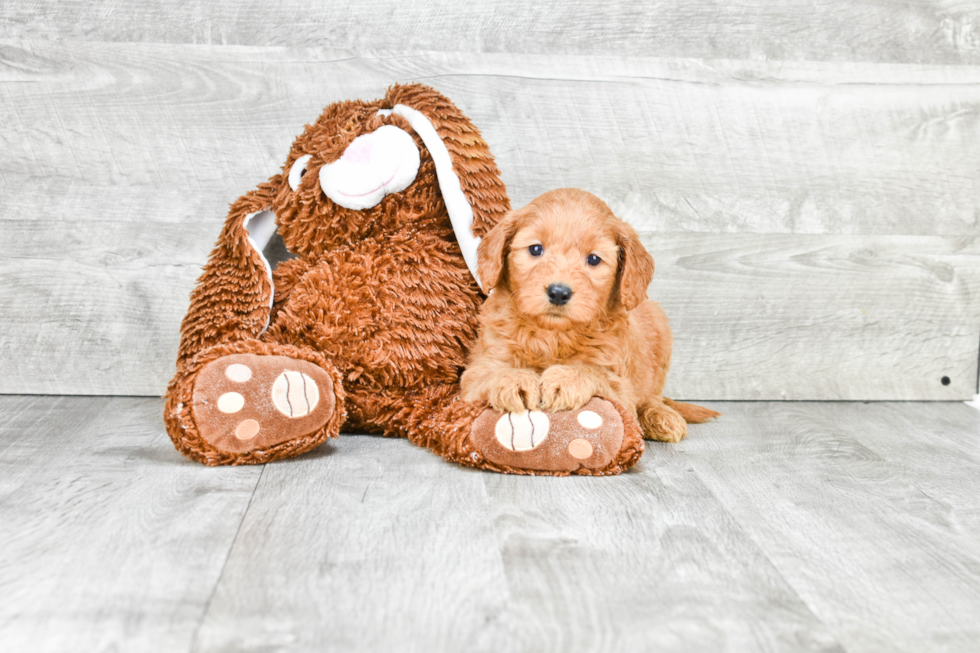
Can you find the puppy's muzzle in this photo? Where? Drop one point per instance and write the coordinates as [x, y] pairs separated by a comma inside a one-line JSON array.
[[559, 294]]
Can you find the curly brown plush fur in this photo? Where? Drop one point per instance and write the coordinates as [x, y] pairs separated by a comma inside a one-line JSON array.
[[381, 298]]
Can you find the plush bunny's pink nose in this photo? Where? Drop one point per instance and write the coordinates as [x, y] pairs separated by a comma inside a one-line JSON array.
[[372, 166], [359, 151]]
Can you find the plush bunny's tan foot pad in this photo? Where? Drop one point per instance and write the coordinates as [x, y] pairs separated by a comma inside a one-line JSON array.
[[245, 402], [589, 438]]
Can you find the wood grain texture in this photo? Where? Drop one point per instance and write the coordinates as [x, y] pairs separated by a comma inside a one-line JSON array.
[[118, 161], [94, 307], [937, 31], [644, 561], [397, 550], [393, 545], [717, 147], [821, 526], [868, 511], [754, 316], [819, 317], [110, 541]]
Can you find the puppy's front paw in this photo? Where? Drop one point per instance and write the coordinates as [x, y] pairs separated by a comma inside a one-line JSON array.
[[566, 387], [514, 391]]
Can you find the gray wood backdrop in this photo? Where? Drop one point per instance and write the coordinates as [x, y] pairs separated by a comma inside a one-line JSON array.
[[807, 176]]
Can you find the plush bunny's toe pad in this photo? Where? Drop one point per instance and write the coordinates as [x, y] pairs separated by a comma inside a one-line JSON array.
[[589, 440], [246, 402]]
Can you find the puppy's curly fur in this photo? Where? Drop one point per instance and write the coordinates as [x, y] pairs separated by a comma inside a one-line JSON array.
[[607, 339]]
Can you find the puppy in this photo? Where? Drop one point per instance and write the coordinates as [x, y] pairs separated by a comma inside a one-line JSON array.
[[568, 317]]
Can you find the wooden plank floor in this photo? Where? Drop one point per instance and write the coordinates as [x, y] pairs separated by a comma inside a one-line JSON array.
[[782, 527]]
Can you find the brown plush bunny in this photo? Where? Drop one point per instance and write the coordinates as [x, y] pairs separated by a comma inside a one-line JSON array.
[[381, 205]]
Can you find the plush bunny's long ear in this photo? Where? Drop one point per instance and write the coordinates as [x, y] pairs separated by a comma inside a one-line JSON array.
[[469, 179], [232, 299]]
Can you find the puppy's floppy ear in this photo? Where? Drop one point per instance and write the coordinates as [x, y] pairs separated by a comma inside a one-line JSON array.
[[635, 267], [494, 247]]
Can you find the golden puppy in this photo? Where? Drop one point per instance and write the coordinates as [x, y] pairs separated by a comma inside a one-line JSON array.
[[569, 317]]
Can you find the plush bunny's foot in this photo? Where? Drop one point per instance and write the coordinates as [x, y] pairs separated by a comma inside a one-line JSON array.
[[251, 402], [598, 439], [245, 402]]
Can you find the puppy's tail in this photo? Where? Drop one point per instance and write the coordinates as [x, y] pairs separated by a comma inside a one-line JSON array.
[[692, 413]]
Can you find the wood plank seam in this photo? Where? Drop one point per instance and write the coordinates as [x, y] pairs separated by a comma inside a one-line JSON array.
[[224, 565], [747, 534]]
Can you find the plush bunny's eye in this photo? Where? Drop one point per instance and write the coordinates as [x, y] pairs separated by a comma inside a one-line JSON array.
[[297, 171]]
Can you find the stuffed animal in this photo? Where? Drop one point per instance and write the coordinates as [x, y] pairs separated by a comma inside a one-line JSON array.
[[365, 323]]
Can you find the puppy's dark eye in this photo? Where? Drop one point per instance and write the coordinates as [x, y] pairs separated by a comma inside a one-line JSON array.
[[593, 260], [536, 250]]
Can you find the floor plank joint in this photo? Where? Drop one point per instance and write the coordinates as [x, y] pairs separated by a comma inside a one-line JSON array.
[[231, 549]]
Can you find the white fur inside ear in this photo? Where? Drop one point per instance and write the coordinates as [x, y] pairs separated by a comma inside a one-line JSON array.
[[374, 165], [261, 226], [458, 207]]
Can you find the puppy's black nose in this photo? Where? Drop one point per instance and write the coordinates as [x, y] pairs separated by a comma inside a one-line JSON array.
[[559, 294]]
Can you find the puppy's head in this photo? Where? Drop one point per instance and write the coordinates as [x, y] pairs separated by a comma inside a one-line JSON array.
[[566, 259]]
